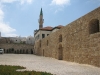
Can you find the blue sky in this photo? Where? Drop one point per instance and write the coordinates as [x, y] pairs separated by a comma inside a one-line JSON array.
[[20, 17]]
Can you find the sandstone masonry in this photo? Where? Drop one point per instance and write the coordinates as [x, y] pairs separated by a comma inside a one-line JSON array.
[[18, 48], [78, 41]]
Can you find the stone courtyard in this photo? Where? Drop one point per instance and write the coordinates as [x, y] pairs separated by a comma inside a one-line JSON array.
[[54, 66]]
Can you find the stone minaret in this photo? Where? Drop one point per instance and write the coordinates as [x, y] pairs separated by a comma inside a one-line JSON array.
[[41, 20]]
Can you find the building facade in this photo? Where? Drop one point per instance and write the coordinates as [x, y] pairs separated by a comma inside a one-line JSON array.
[[43, 32], [30, 40], [78, 41]]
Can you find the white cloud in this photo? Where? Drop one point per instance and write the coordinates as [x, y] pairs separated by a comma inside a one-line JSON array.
[[57, 10], [5, 29], [26, 1], [21, 1], [11, 35], [93, 1], [1, 15], [60, 2], [7, 1]]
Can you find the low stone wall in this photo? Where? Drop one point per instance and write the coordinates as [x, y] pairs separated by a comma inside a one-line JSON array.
[[17, 48]]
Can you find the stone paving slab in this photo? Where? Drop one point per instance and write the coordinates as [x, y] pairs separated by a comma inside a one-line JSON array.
[[54, 66]]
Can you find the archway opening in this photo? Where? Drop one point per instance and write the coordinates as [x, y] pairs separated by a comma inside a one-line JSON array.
[[43, 52], [94, 26], [60, 52]]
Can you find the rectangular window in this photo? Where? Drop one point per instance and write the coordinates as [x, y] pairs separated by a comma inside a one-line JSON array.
[[94, 26], [43, 35], [38, 36]]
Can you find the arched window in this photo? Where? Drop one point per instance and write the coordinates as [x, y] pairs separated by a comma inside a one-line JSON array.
[[60, 38], [94, 26]]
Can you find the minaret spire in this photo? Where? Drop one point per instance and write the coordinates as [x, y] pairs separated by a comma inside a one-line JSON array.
[[41, 20], [41, 13]]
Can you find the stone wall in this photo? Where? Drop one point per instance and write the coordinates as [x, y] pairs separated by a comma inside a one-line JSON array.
[[17, 48], [5, 40], [78, 41]]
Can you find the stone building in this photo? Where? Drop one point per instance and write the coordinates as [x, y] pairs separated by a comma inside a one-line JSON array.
[[30, 40], [17, 45], [15, 39], [43, 32], [78, 41]]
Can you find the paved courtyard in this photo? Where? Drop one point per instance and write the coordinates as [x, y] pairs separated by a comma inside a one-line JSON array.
[[54, 66]]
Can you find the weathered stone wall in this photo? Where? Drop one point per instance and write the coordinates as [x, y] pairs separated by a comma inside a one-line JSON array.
[[20, 48], [5, 40], [78, 44]]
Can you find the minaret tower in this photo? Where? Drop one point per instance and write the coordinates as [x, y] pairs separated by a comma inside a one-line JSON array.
[[41, 20]]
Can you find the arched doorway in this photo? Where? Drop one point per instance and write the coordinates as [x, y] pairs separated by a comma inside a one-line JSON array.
[[17, 51], [27, 51], [43, 52], [23, 51], [60, 52], [31, 51], [7, 51], [4, 51]]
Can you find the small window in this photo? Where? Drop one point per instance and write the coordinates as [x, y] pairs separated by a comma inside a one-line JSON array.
[[60, 38], [16, 40], [94, 26], [47, 42], [38, 36], [43, 35]]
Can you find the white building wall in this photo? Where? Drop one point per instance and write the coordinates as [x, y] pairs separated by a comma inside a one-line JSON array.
[[38, 35], [54, 30], [44, 32], [30, 40], [15, 39]]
